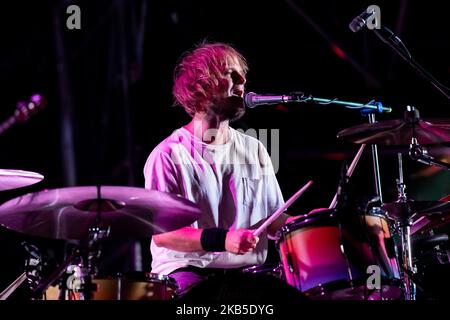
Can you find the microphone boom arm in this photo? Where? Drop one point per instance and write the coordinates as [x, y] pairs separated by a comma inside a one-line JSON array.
[[252, 100], [369, 107], [389, 38]]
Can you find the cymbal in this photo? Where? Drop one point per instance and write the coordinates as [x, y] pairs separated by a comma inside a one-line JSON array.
[[430, 221], [13, 179], [399, 132], [415, 209], [68, 213]]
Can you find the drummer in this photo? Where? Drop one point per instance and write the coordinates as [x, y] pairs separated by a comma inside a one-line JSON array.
[[228, 174]]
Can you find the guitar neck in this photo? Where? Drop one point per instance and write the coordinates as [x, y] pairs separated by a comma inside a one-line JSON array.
[[8, 123]]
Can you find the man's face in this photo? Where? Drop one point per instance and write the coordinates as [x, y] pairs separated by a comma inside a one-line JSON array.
[[229, 102]]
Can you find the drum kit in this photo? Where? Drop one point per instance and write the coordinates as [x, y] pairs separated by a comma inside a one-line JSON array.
[[331, 253]]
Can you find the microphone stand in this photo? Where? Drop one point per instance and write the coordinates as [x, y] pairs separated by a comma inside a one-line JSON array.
[[393, 41], [376, 163], [368, 109]]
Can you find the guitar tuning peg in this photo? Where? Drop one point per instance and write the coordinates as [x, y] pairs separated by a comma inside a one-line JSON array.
[[38, 101], [22, 112]]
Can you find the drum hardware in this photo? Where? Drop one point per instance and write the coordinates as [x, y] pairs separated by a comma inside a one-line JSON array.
[[89, 215], [408, 216], [443, 257], [13, 286], [418, 153], [82, 264], [376, 163], [404, 222], [426, 242], [32, 274], [274, 270], [34, 265]]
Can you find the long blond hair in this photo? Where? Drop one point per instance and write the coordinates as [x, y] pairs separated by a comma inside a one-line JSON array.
[[196, 76]]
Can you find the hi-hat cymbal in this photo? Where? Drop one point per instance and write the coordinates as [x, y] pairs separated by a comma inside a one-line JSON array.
[[412, 209], [433, 219], [424, 215], [13, 179], [399, 132], [68, 213]]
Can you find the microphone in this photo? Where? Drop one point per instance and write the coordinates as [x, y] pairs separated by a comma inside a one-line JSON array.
[[252, 99], [358, 23]]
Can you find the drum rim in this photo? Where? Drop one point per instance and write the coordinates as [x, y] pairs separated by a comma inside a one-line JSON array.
[[337, 285], [261, 268], [331, 215], [305, 221]]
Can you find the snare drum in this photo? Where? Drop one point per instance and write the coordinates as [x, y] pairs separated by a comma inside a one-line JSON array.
[[327, 255], [135, 286], [270, 269]]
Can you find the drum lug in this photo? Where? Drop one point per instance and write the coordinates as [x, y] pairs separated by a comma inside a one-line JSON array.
[[290, 264]]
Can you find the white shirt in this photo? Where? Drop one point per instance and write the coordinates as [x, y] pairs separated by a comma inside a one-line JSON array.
[[234, 185]]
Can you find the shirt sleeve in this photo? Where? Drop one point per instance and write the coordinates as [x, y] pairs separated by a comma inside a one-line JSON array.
[[273, 194], [160, 173]]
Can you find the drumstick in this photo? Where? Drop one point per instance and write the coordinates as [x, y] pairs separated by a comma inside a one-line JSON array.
[[277, 213], [13, 286], [349, 173]]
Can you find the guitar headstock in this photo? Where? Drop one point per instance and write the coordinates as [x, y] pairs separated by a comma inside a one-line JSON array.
[[26, 109]]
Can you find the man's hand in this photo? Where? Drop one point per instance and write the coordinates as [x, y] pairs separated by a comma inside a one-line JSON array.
[[240, 241]]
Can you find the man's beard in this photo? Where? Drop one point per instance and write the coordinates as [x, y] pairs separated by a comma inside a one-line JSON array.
[[230, 108]]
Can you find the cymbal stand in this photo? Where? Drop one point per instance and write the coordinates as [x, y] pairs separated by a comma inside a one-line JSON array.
[[33, 266], [404, 227], [82, 282], [57, 274], [81, 263], [13, 286]]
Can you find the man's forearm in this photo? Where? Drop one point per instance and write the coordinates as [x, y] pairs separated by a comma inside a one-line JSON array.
[[186, 239]]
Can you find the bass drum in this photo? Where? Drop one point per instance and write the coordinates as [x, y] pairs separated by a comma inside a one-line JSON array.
[[132, 286], [243, 286], [331, 256]]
